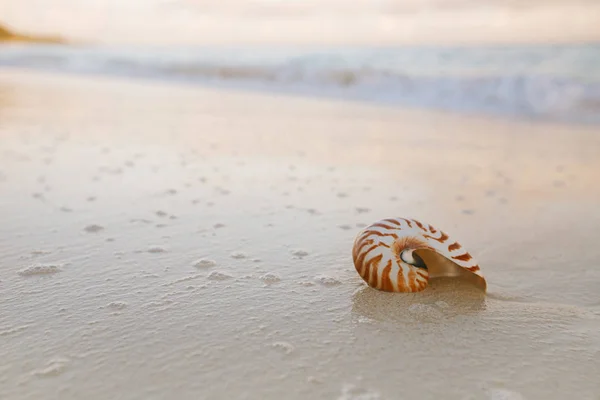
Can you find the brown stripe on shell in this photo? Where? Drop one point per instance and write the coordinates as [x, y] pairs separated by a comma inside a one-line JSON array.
[[412, 280], [473, 269], [384, 226], [454, 246], [374, 279], [401, 282], [358, 244], [463, 257], [432, 229], [441, 239], [420, 225], [362, 245], [407, 221], [365, 271], [377, 233], [386, 282], [361, 257], [392, 221]]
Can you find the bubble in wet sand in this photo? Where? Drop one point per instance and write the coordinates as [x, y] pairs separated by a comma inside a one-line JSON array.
[[299, 253], [345, 227], [353, 392], [160, 213], [117, 305], [54, 368], [40, 269], [238, 255], [284, 347], [219, 276], [93, 228], [362, 210], [205, 263], [40, 252], [156, 249], [270, 278], [442, 304], [218, 225], [326, 280], [504, 394]]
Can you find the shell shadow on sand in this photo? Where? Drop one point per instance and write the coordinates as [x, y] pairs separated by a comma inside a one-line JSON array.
[[444, 298]]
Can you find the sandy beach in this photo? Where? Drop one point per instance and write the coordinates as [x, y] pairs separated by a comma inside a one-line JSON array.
[[162, 241]]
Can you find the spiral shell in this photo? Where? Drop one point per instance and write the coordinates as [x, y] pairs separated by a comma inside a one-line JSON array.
[[401, 255]]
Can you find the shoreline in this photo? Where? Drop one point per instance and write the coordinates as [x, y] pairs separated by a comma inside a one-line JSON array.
[[256, 89], [484, 131]]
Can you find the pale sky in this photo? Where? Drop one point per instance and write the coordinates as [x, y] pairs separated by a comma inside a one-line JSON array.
[[306, 21]]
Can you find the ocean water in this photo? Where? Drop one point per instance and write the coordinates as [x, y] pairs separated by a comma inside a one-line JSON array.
[[547, 82]]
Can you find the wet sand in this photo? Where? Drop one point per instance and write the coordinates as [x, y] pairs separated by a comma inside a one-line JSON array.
[[159, 241]]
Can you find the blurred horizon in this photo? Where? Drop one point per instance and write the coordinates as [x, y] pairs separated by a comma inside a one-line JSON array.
[[308, 22], [515, 58]]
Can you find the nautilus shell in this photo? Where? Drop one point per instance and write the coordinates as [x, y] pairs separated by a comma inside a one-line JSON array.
[[401, 255]]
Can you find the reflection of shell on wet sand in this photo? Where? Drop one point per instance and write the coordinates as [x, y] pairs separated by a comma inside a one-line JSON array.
[[402, 255], [445, 297]]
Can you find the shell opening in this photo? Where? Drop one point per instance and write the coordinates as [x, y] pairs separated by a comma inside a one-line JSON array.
[[410, 257], [440, 266]]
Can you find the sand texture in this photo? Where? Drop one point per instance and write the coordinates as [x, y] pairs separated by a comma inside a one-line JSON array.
[[164, 242]]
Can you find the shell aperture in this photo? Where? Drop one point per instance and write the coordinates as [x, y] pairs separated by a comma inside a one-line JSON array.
[[401, 255]]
